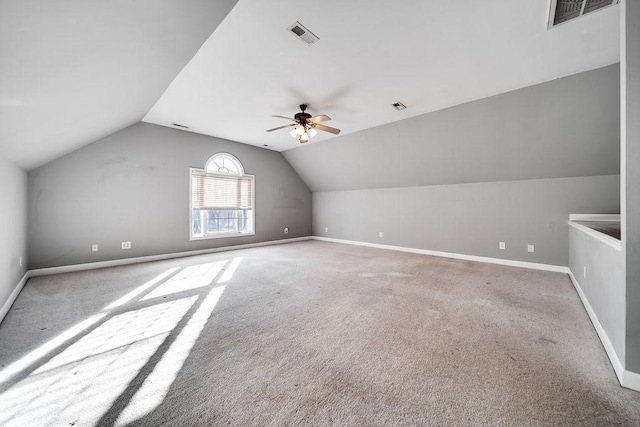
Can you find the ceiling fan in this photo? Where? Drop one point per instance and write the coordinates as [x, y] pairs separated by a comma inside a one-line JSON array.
[[304, 126]]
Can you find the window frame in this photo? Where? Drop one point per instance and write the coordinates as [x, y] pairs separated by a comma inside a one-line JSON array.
[[222, 235]]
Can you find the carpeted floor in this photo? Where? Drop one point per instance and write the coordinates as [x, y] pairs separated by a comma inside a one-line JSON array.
[[307, 333]]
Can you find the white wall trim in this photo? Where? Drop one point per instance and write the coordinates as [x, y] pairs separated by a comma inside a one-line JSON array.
[[614, 243], [509, 262], [631, 380], [604, 338], [9, 302], [594, 217], [149, 258]]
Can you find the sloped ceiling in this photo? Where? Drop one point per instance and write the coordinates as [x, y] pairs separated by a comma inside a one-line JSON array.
[[569, 127], [427, 54], [74, 71]]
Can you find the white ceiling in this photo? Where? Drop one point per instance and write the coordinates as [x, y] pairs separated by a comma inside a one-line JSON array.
[[74, 71], [427, 54]]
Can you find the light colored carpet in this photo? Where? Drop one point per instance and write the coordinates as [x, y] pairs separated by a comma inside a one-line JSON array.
[[307, 333]]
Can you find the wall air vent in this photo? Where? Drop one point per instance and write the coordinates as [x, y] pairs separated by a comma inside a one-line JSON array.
[[301, 32], [178, 125], [565, 10]]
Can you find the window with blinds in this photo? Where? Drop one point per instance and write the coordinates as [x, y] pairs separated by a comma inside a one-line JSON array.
[[222, 199]]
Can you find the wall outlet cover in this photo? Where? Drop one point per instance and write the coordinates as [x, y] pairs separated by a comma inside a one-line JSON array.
[[326, 229], [380, 234], [286, 230], [502, 245], [94, 248], [530, 248], [126, 245]]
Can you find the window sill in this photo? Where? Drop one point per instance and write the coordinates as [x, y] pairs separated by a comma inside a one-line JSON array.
[[222, 236]]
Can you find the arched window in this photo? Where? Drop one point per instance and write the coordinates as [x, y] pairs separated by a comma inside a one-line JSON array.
[[224, 163], [222, 199]]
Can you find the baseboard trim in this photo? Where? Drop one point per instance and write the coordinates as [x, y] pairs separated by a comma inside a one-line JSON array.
[[9, 302], [627, 379], [631, 380], [488, 260], [149, 258]]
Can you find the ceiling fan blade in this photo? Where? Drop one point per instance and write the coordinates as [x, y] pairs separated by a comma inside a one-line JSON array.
[[283, 117], [327, 129], [318, 119], [281, 127]]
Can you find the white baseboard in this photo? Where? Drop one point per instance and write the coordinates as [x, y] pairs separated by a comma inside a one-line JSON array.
[[604, 338], [631, 380], [9, 302], [627, 379], [512, 263], [126, 261]]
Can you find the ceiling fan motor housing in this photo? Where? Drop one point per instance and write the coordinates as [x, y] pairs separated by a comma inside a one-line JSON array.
[[302, 117]]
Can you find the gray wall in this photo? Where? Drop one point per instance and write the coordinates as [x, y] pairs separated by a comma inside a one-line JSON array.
[[603, 286], [631, 175], [13, 227], [469, 218], [563, 128], [465, 178], [134, 186]]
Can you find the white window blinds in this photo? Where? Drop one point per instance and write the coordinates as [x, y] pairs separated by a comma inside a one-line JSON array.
[[218, 191]]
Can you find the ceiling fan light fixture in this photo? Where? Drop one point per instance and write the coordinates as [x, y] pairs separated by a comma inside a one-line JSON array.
[[304, 126]]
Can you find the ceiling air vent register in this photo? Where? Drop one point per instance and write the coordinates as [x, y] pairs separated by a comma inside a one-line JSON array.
[[566, 10], [302, 33]]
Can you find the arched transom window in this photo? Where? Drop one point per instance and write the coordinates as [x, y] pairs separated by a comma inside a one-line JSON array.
[[224, 163], [222, 199]]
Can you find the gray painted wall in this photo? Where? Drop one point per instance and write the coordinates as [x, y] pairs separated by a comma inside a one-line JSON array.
[[13, 227], [134, 186], [604, 284], [469, 218], [631, 175], [566, 127]]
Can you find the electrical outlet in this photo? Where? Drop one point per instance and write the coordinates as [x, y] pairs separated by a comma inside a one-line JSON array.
[[286, 230], [380, 234], [326, 229], [584, 271], [94, 248], [530, 248], [126, 245], [20, 260], [502, 245]]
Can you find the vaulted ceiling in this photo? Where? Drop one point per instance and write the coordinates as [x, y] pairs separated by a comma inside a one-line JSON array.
[[74, 71], [77, 71]]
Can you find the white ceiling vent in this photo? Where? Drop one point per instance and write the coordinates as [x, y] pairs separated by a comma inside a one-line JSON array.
[[300, 32], [565, 10]]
